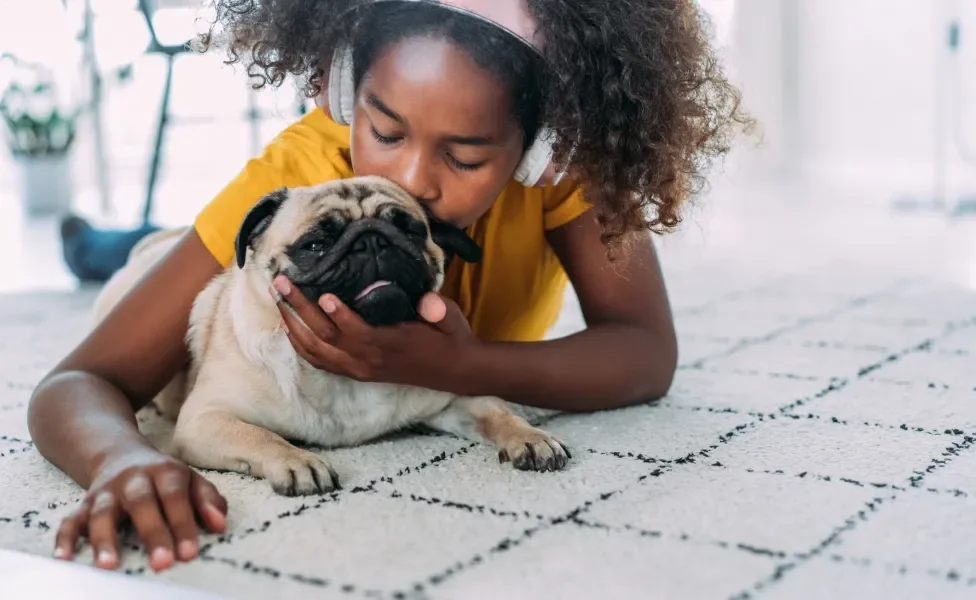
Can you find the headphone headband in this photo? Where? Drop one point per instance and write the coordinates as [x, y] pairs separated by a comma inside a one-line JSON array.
[[510, 15]]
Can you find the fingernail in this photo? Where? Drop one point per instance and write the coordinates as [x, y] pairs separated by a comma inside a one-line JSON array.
[[160, 555], [60, 552], [219, 519], [106, 557], [282, 285], [187, 549], [328, 304]]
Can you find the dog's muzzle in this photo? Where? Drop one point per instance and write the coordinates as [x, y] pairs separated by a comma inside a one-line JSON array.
[[377, 269]]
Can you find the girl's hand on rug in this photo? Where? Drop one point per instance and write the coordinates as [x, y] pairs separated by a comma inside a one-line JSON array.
[[159, 495], [332, 337]]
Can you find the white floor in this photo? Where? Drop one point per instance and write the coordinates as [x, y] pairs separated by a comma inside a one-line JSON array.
[[817, 443]]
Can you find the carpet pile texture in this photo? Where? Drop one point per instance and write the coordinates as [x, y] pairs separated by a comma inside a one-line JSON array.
[[817, 443]]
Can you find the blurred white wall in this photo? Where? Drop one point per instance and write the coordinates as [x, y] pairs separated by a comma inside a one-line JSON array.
[[847, 90], [762, 61]]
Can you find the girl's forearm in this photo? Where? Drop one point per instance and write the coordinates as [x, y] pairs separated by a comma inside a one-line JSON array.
[[605, 366], [78, 421]]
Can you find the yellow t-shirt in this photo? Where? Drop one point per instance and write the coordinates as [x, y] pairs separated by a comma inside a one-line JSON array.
[[514, 294]]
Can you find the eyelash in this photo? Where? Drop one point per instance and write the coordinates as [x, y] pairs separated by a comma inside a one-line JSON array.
[[389, 141], [462, 166]]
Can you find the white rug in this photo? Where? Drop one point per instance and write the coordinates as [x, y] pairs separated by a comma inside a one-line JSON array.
[[818, 443]]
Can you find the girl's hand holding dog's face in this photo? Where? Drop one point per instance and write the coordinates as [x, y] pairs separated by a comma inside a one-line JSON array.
[[334, 338]]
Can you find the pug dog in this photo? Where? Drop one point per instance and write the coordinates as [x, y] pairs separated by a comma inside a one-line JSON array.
[[246, 392]]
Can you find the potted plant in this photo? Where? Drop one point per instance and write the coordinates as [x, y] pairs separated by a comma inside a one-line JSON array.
[[40, 127]]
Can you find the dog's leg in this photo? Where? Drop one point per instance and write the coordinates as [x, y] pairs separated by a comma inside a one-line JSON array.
[[214, 439], [170, 399], [487, 419]]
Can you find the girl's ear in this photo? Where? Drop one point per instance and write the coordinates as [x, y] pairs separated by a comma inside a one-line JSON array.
[[454, 240], [256, 222]]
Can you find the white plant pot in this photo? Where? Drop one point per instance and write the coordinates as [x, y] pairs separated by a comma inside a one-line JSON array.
[[45, 184]]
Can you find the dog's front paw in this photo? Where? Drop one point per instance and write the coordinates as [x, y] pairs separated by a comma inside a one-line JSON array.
[[534, 450], [296, 472]]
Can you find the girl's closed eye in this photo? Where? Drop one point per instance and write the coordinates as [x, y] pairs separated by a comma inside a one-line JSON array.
[[392, 140], [387, 140], [463, 166]]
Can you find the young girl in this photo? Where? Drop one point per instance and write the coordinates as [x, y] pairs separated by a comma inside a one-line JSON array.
[[446, 102]]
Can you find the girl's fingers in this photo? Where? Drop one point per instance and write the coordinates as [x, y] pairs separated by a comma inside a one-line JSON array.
[[349, 324], [314, 319], [313, 349], [302, 351], [172, 487], [321, 355], [161, 503], [432, 307], [72, 528], [314, 335], [315, 352], [103, 524], [143, 508], [208, 503], [296, 329]]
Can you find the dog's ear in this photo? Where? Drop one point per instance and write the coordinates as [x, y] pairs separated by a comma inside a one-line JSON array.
[[454, 240], [256, 221]]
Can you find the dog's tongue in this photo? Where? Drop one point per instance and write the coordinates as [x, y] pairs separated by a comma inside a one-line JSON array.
[[373, 286]]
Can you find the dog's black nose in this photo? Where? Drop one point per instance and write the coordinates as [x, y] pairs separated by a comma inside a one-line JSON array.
[[370, 240]]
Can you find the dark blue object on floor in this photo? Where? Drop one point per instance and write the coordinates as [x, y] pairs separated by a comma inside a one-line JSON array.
[[93, 255]]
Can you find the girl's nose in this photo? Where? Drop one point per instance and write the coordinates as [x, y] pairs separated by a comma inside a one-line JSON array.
[[416, 175]]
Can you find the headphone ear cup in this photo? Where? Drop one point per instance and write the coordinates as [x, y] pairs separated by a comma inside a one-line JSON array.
[[342, 87], [535, 160]]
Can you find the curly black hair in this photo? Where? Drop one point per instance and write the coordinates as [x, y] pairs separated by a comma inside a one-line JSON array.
[[633, 89]]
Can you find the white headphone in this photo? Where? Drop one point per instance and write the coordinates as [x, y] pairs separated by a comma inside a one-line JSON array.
[[342, 106]]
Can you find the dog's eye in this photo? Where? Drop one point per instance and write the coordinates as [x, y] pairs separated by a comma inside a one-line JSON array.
[[314, 247], [405, 222], [416, 228], [332, 227]]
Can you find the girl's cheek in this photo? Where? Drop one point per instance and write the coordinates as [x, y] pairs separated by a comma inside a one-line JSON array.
[[364, 160], [363, 155], [463, 209]]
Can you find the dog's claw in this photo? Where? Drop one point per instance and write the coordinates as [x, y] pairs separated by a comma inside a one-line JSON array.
[[301, 473], [538, 452], [527, 460]]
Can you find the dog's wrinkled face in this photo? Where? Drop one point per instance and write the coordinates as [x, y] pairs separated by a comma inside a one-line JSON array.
[[363, 239]]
